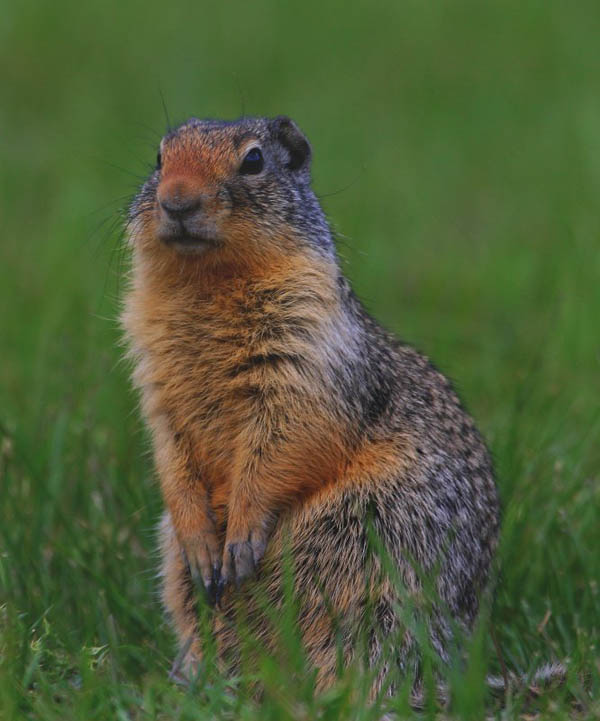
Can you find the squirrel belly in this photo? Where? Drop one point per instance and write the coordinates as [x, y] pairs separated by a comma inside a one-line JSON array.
[[283, 416]]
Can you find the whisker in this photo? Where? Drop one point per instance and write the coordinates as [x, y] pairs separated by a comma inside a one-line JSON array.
[[166, 112], [343, 189]]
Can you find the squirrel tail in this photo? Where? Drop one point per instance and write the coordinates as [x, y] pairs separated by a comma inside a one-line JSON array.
[[546, 676], [549, 674]]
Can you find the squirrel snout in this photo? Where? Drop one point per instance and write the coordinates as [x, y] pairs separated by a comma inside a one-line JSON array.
[[186, 215], [177, 204]]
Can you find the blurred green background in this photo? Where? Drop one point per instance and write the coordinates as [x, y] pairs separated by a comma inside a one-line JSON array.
[[457, 152]]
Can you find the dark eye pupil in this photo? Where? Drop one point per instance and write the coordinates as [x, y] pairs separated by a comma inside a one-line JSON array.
[[158, 159], [253, 162]]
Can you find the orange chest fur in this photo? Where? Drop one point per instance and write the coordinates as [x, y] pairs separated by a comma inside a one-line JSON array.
[[187, 353], [240, 377]]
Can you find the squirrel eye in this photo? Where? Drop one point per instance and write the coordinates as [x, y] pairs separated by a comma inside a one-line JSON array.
[[253, 163], [158, 160]]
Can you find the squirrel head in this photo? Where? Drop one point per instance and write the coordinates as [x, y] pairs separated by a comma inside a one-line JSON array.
[[229, 192]]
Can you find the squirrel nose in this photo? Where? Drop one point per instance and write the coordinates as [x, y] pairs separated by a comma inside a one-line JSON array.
[[177, 206]]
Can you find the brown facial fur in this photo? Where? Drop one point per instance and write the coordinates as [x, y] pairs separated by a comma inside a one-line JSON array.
[[280, 410]]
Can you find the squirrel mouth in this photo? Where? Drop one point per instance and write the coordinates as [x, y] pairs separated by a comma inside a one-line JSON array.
[[189, 242]]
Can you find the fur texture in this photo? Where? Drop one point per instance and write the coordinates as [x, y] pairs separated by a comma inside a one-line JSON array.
[[282, 413]]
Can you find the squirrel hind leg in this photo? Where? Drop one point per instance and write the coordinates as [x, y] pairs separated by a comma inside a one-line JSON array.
[[179, 600]]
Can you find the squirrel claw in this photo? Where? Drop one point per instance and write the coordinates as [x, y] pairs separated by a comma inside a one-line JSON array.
[[193, 570], [241, 558], [219, 588], [239, 562], [214, 588], [205, 575]]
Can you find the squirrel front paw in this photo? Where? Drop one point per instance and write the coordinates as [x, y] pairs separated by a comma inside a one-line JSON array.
[[202, 555], [242, 554]]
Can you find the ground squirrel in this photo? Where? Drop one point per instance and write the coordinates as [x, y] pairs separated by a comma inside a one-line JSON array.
[[280, 409]]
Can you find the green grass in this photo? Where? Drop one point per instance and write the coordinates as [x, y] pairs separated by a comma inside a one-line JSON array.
[[457, 150]]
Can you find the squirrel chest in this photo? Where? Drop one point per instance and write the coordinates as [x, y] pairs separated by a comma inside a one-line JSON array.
[[222, 371]]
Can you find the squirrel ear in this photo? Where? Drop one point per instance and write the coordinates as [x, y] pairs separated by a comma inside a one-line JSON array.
[[293, 140]]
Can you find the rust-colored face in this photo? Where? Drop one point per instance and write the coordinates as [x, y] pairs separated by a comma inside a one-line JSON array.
[[224, 188], [193, 196]]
